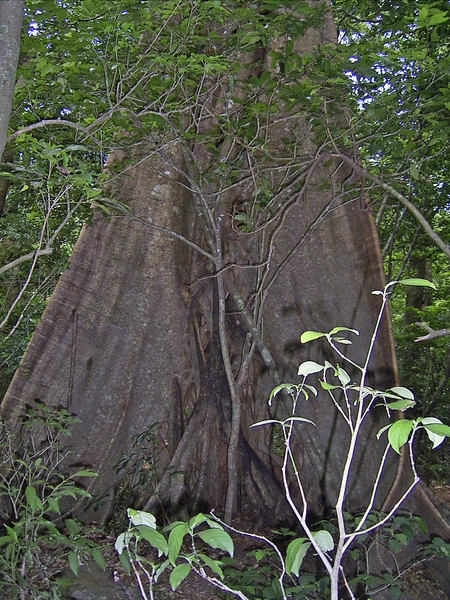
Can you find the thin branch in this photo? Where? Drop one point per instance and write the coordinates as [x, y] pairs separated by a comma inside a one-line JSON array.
[[59, 122], [24, 258], [393, 192], [432, 333]]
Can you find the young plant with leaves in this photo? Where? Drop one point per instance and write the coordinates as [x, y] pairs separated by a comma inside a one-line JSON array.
[[353, 400], [33, 494]]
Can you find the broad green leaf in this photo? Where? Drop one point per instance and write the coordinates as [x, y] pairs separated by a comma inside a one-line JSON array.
[[85, 473], [342, 375], [33, 500], [440, 429], [139, 517], [124, 560], [328, 386], [200, 518], [178, 574], [154, 538], [5, 539], [217, 538], [415, 281], [401, 404], [122, 541], [175, 540], [399, 432], [72, 526], [74, 563], [53, 504], [308, 368], [402, 392], [214, 565], [98, 558], [295, 553], [162, 567], [436, 430], [414, 172], [324, 540], [309, 336], [12, 534]]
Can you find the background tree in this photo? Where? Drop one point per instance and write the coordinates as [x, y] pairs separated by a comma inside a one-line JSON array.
[[186, 310]]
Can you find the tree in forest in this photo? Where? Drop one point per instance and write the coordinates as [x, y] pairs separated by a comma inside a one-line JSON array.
[[233, 218], [211, 266]]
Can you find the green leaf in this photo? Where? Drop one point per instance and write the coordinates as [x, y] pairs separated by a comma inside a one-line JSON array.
[[309, 336], [339, 329], [299, 419], [74, 563], [197, 520], [266, 422], [33, 500], [155, 539], [124, 560], [12, 534], [214, 565], [309, 367], [53, 505], [417, 282], [217, 538], [98, 558], [402, 392], [72, 526], [401, 404], [178, 574], [342, 375], [436, 430], [289, 387], [324, 540], [414, 172], [328, 386], [175, 540], [399, 432], [122, 541], [85, 473], [296, 552], [139, 517]]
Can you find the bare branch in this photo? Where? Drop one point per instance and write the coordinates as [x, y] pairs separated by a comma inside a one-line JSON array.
[[24, 258], [393, 192], [432, 333], [59, 122]]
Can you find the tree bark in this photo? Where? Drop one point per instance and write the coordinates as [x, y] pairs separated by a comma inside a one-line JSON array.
[[11, 18]]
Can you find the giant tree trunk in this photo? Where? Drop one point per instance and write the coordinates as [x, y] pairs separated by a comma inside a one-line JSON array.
[[171, 314]]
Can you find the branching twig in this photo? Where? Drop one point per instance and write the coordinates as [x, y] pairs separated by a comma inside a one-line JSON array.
[[432, 333]]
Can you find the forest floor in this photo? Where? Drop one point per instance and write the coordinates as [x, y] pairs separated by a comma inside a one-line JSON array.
[[418, 583]]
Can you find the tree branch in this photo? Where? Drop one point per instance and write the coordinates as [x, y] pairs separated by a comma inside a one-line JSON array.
[[25, 257], [432, 333], [47, 122], [393, 192]]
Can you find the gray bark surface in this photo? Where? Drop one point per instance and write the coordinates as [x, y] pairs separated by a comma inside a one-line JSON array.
[[11, 18]]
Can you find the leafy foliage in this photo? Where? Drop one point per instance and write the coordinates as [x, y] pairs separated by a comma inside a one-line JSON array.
[[34, 494]]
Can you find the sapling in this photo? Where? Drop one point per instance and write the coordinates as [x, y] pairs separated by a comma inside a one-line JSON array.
[[353, 400]]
